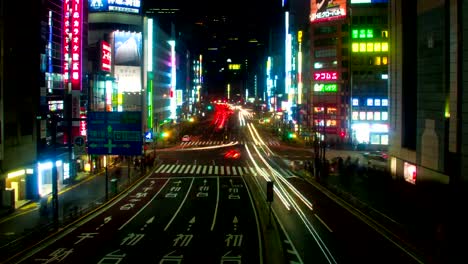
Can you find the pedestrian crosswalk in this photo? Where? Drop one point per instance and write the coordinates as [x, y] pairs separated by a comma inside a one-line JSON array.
[[202, 143], [214, 170]]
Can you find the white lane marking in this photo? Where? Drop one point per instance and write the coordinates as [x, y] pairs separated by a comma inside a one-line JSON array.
[[323, 223], [180, 206], [217, 203], [144, 206]]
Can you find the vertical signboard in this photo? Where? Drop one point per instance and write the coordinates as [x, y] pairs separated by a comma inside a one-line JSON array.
[[72, 51], [106, 56]]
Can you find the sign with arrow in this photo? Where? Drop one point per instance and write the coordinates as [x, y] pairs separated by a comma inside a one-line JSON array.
[[115, 133]]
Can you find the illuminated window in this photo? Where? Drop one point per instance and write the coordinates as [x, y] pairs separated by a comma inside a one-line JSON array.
[[362, 47], [375, 139], [370, 33], [385, 46], [376, 47], [362, 115], [354, 34], [331, 123], [385, 60], [355, 102], [384, 34], [377, 102], [384, 102], [384, 115], [376, 115], [331, 110], [319, 122], [355, 47], [370, 115], [377, 61], [362, 33], [384, 139], [355, 115], [370, 102], [370, 47], [319, 109]]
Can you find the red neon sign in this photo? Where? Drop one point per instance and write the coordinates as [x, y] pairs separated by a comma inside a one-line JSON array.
[[326, 76], [105, 56], [72, 26]]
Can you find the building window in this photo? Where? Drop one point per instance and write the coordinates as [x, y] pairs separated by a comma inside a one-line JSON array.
[[331, 123], [370, 102], [377, 102], [384, 116], [355, 47], [362, 47], [384, 34], [370, 47], [355, 102], [375, 139], [370, 115], [362, 115], [377, 116], [377, 47], [355, 115], [319, 109], [385, 60], [331, 110], [377, 60], [384, 139], [384, 102], [385, 46]]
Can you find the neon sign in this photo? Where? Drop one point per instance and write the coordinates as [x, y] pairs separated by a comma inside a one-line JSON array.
[[106, 57], [325, 87], [326, 76]]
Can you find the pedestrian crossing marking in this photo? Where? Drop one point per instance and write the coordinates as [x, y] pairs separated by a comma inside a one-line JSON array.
[[234, 172], [187, 169], [222, 170], [210, 142], [193, 169], [182, 168], [204, 169], [210, 169], [198, 170], [216, 170]]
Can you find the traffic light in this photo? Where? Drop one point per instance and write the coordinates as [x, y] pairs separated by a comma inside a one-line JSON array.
[[209, 107], [342, 134]]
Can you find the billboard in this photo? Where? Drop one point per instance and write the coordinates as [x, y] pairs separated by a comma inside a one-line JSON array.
[[128, 78], [124, 6], [326, 10], [127, 48]]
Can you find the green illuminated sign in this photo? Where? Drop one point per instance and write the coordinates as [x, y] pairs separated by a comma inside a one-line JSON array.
[[325, 87], [362, 33]]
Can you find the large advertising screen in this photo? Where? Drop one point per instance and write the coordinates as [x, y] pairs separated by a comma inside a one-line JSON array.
[[127, 48], [128, 78], [326, 10], [124, 6]]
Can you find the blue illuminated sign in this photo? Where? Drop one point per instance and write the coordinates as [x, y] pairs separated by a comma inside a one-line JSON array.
[[114, 133], [124, 6]]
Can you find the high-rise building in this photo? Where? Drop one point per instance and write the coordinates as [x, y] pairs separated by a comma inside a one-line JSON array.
[[368, 48], [427, 91]]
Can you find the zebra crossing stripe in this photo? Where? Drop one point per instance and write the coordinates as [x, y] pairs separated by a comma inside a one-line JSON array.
[[222, 170], [210, 169], [187, 169], [234, 172], [216, 170], [171, 168], [160, 168], [176, 168], [253, 171], [166, 168], [239, 168], [182, 168], [204, 169], [228, 170], [193, 169], [198, 169], [246, 170]]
